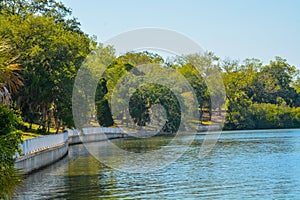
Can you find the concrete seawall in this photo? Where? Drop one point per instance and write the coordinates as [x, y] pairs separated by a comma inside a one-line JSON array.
[[39, 159], [76, 139], [35, 161], [42, 152]]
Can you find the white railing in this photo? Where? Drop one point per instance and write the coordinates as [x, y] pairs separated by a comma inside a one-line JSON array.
[[95, 130], [40, 143], [72, 132]]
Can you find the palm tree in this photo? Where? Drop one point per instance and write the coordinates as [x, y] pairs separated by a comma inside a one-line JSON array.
[[10, 79]]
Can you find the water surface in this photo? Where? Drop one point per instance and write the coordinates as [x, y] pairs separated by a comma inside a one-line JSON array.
[[246, 164]]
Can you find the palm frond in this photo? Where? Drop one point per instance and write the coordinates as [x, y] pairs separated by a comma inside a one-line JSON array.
[[10, 78]]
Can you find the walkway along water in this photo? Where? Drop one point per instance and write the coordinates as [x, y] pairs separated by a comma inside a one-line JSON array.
[[43, 151]]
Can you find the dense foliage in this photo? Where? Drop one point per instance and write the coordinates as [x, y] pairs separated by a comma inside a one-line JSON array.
[[10, 138], [145, 97], [50, 49], [261, 96], [255, 96]]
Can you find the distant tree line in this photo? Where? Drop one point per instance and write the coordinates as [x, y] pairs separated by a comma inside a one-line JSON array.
[[255, 96], [261, 96]]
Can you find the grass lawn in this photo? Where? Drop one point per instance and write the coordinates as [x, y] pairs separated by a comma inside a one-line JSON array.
[[203, 122], [28, 135], [35, 127], [33, 132]]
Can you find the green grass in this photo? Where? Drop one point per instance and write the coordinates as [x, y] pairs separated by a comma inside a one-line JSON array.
[[203, 122], [35, 127], [207, 123], [33, 132], [28, 135]]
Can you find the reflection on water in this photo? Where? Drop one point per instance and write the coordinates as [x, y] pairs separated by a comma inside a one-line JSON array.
[[252, 164]]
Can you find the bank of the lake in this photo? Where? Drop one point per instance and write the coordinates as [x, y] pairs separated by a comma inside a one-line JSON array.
[[262, 164], [40, 152]]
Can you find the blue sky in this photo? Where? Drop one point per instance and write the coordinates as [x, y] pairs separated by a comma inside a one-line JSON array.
[[237, 29]]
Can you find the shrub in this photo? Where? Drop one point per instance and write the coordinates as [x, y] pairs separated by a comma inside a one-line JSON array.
[[10, 138]]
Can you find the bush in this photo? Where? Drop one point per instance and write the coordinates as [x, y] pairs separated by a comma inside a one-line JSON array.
[[275, 116], [9, 120], [265, 116], [10, 138]]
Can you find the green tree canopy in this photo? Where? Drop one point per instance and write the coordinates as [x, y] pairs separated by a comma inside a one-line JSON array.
[[50, 54]]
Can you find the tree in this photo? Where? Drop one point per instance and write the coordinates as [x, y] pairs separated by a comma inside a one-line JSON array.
[[10, 138], [296, 85], [282, 75], [50, 54], [48, 8], [102, 107], [237, 79], [260, 96], [10, 79], [198, 84], [115, 69], [150, 94], [210, 90]]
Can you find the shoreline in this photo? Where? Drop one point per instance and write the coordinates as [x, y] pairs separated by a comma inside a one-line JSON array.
[[33, 162], [42, 158]]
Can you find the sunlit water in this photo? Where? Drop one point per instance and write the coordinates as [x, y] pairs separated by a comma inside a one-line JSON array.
[[249, 164]]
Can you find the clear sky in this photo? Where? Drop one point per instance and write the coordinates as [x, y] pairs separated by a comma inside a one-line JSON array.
[[237, 29]]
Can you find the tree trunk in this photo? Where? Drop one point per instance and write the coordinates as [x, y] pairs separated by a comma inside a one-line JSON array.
[[44, 114], [201, 114], [57, 124], [49, 116]]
